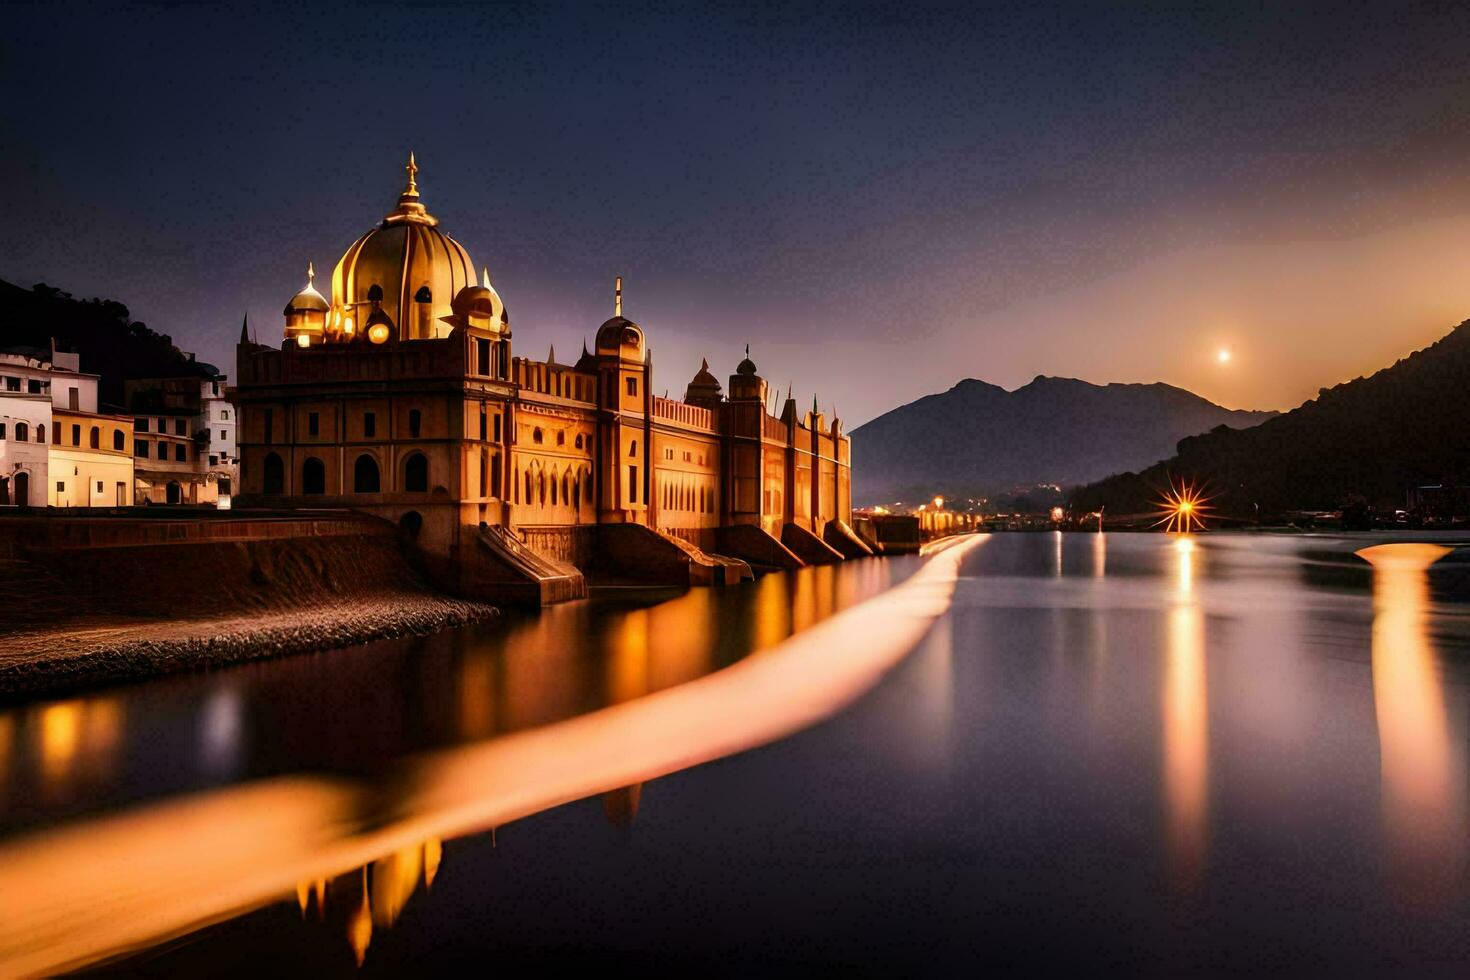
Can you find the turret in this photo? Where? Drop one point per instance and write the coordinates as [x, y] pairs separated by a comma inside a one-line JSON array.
[[306, 314]]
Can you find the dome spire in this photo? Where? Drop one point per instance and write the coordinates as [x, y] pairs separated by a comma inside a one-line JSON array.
[[410, 208], [618, 297], [412, 190], [310, 273], [485, 276]]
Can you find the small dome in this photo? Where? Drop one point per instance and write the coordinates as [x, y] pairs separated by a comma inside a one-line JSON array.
[[617, 332], [479, 303], [747, 366], [308, 300], [704, 387]]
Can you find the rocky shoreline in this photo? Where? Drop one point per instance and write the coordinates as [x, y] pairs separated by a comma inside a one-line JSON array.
[[86, 653]]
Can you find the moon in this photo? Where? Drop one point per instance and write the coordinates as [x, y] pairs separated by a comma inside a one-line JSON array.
[[1222, 356]]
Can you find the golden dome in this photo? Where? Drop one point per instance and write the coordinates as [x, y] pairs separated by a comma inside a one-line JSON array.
[[406, 268], [308, 299]]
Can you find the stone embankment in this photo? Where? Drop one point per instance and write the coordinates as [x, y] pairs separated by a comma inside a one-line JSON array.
[[93, 600]]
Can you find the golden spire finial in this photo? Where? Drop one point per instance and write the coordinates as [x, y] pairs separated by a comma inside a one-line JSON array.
[[618, 297], [413, 169], [485, 276], [310, 274]]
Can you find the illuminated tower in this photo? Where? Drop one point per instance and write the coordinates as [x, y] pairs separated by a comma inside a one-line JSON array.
[[623, 368]]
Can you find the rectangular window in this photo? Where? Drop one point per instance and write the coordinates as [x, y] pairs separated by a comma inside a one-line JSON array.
[[482, 356], [99, 486], [497, 428], [221, 435], [224, 416], [122, 494], [313, 424], [73, 399], [633, 386], [163, 450], [180, 427], [140, 448], [12, 384], [632, 484], [2, 430], [369, 424], [483, 424], [269, 418], [55, 433], [495, 477], [60, 486], [179, 453], [213, 460], [141, 425], [76, 435], [33, 386]]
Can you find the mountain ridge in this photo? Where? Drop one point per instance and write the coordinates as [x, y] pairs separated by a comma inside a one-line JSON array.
[[1369, 439], [1051, 430]]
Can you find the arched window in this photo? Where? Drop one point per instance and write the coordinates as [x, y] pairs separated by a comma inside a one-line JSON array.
[[40, 433], [365, 475], [553, 490], [579, 442], [275, 474], [416, 474], [587, 485], [564, 487], [541, 487], [313, 476], [633, 448], [375, 293], [117, 440], [414, 421], [529, 497], [94, 438], [537, 436], [561, 438], [423, 295], [22, 431]]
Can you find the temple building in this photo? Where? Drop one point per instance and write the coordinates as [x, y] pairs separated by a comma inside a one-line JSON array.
[[399, 395]]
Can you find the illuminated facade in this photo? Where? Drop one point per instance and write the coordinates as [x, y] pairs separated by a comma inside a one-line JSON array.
[[56, 447], [399, 394]]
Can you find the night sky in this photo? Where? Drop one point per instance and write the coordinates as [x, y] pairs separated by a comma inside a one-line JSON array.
[[879, 200]]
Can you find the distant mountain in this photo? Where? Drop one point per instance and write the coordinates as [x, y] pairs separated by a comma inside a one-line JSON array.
[[977, 438], [1372, 438], [109, 341]]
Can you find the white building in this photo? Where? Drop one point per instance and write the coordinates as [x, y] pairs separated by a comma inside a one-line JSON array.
[[183, 439], [45, 396], [25, 421]]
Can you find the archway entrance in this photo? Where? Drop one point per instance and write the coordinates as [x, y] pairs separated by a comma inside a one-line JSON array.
[[175, 493], [22, 489]]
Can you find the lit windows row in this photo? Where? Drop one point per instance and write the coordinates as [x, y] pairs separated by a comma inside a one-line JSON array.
[[22, 432]]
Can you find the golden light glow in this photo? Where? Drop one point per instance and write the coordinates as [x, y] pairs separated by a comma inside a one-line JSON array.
[[347, 325], [377, 333], [1182, 510], [1057, 514], [302, 340], [1422, 766], [938, 501], [1186, 729], [1222, 356]]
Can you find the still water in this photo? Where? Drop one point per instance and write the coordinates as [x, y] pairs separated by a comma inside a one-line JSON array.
[[1163, 755]]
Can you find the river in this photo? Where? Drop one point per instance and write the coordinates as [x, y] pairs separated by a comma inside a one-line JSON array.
[[1165, 755]]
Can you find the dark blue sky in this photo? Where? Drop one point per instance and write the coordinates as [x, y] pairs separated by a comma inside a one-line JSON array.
[[879, 199]]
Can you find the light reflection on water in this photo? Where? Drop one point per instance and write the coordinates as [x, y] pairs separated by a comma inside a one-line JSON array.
[[358, 710], [1422, 763], [1202, 754], [1186, 726]]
